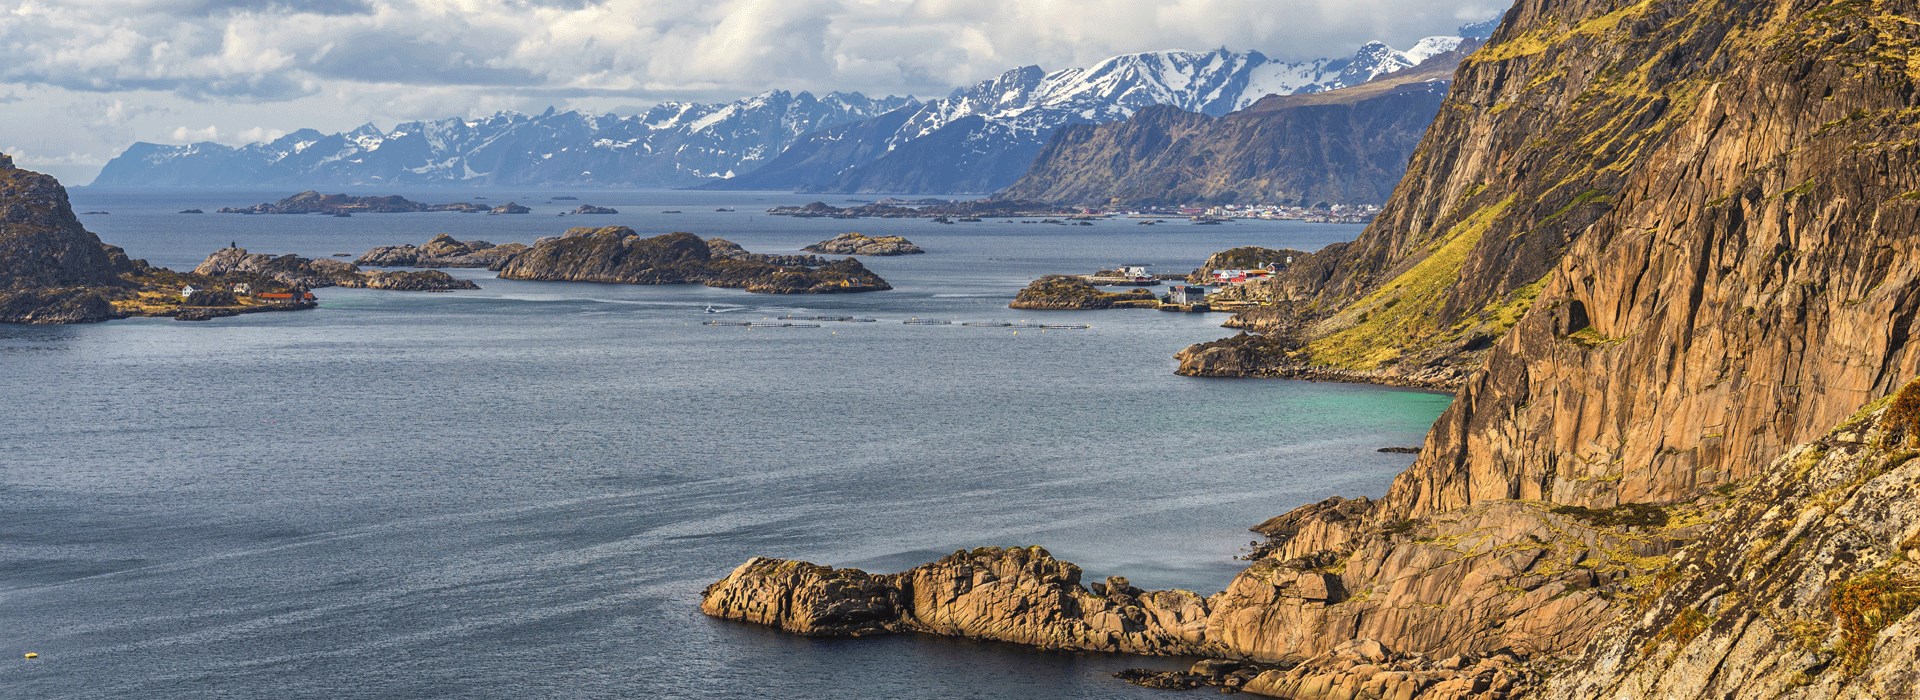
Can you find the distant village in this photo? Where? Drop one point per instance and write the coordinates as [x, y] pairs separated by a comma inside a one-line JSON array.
[[1334, 214]]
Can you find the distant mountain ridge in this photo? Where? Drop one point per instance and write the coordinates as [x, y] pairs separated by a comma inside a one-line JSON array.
[[1346, 146], [983, 138], [671, 145], [978, 139]]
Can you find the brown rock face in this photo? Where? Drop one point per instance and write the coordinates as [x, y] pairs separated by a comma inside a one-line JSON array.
[[52, 269], [1751, 283], [807, 599], [1663, 242], [1803, 587], [1020, 595], [42, 243]]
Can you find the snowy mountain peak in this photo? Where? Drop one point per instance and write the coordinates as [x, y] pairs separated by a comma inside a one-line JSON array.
[[672, 144]]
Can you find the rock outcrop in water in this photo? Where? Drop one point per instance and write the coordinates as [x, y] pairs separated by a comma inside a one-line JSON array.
[[1656, 244], [853, 243], [313, 274], [311, 202], [442, 251], [618, 255], [53, 270], [1020, 595], [1069, 293]]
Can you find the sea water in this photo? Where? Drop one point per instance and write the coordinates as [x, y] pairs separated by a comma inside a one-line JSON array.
[[521, 491]]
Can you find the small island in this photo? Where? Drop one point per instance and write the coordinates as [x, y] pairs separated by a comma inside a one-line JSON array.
[[313, 274], [510, 208], [591, 210], [852, 243], [311, 202], [1069, 293], [54, 271], [442, 251], [619, 255]]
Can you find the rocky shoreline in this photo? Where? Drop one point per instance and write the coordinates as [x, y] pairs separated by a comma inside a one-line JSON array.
[[55, 271], [862, 244], [306, 273], [442, 250], [1069, 293], [618, 255], [1666, 261]]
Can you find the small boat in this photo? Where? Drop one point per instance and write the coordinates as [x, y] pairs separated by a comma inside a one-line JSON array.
[[712, 310]]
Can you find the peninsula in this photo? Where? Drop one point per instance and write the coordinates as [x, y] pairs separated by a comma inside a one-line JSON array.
[[53, 270]]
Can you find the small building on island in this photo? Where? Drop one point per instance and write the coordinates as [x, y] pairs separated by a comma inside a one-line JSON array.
[[1184, 294]]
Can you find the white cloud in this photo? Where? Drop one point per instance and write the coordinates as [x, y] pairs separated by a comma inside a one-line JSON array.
[[186, 135]]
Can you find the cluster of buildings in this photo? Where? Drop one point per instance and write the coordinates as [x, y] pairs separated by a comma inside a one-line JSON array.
[[1226, 278], [1334, 214]]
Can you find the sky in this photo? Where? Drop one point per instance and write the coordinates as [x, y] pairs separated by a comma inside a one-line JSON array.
[[80, 80]]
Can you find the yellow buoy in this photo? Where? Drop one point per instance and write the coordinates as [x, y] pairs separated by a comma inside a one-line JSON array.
[[32, 655]]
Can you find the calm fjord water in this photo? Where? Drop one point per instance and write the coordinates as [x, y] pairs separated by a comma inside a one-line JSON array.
[[520, 491]]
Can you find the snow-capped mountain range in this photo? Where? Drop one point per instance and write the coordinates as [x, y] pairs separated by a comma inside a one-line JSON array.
[[981, 138], [978, 139], [671, 145]]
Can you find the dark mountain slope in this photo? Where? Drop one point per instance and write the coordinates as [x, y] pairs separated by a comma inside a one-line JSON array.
[[1346, 146]]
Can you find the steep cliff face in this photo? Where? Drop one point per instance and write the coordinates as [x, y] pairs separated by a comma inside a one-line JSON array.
[[1679, 236], [1656, 244], [1803, 587], [52, 269], [1750, 283], [1347, 146], [42, 243]]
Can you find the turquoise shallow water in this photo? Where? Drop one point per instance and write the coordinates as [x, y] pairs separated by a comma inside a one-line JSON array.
[[520, 491]]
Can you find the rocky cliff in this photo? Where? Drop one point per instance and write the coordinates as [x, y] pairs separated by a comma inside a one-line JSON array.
[[619, 255], [1346, 146], [52, 269], [1656, 244]]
